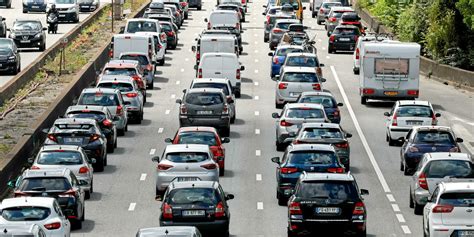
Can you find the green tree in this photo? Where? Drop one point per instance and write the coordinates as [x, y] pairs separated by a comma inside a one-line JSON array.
[[412, 24], [466, 7], [441, 34]]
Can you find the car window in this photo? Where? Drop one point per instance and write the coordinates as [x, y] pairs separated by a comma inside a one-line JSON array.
[[120, 71], [285, 51], [166, 27], [103, 99], [99, 116], [141, 26], [205, 138], [48, 183], [321, 133], [326, 101], [204, 98], [121, 86], [25, 213], [302, 61], [304, 113], [27, 25], [300, 77], [451, 168], [59, 158], [221, 86], [187, 157], [203, 196], [331, 191], [283, 25], [414, 111], [458, 199], [435, 137], [329, 5], [346, 31], [312, 158], [142, 59]]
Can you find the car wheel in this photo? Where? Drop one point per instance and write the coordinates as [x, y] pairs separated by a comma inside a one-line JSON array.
[[356, 71], [402, 167], [225, 132], [280, 146], [115, 143], [42, 47], [110, 148], [76, 224], [9, 5], [25, 11], [282, 201], [126, 127], [361, 234], [406, 170], [313, 16], [99, 167], [162, 61], [418, 209], [199, 8], [221, 172], [290, 234], [121, 132], [77, 19], [411, 200], [139, 119], [151, 86], [105, 160], [391, 142], [88, 195], [237, 94], [363, 100], [319, 22], [225, 233]]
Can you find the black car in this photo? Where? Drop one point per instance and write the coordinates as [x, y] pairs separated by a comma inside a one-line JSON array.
[[325, 202], [88, 5], [343, 38], [10, 60], [80, 132], [331, 107], [6, 3], [3, 28], [34, 6], [202, 204], [103, 117], [28, 34], [171, 31]]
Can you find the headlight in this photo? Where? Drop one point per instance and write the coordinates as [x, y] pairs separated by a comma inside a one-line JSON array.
[[12, 58], [71, 9], [12, 35], [38, 35]]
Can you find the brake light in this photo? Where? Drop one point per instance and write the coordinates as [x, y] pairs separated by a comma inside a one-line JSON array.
[[321, 10], [237, 74], [443, 209], [336, 113], [295, 208], [288, 170], [342, 145], [111, 53], [20, 194], [413, 149], [422, 181], [225, 110], [183, 4], [219, 152], [335, 170], [368, 91], [131, 94], [276, 30], [220, 210], [198, 55], [83, 170], [332, 19], [434, 120], [183, 109], [209, 166], [209, 25], [332, 38], [356, 37], [359, 209], [317, 87], [119, 110], [394, 120], [275, 60], [413, 92], [52, 138], [357, 53], [70, 192], [161, 167], [167, 211], [53, 226], [94, 137], [284, 123], [107, 123], [282, 86], [200, 73]]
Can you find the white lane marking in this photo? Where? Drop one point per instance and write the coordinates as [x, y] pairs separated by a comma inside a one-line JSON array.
[[160, 130], [257, 113], [406, 230], [173, 96], [182, 70], [256, 51], [152, 151], [256, 97], [324, 48], [256, 42], [189, 50], [178, 82], [256, 71], [132, 206], [255, 35], [328, 57], [259, 205], [256, 83], [257, 131], [390, 198], [258, 177], [258, 153], [395, 208], [320, 40], [400, 218], [186, 59], [380, 176], [167, 111], [143, 177], [256, 60]]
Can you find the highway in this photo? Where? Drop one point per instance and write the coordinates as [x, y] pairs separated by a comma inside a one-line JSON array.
[[123, 199]]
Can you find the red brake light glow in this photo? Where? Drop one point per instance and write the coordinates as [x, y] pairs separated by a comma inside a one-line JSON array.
[[422, 181], [295, 208], [167, 211], [53, 226], [209, 166], [443, 209], [288, 170], [163, 167]]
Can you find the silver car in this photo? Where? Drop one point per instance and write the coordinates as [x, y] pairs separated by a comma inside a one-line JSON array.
[[184, 161], [271, 19], [67, 156], [279, 28], [332, 19], [321, 12], [433, 169], [164, 231], [292, 118], [293, 81]]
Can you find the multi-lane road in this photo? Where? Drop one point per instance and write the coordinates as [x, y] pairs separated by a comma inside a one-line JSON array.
[[123, 199]]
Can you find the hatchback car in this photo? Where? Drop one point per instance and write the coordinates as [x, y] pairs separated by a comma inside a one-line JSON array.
[[327, 202], [293, 81], [80, 132], [28, 34], [171, 34], [331, 106], [42, 211], [10, 58], [408, 113], [292, 117], [205, 107], [66, 156], [270, 21], [322, 11], [149, 70], [61, 184], [303, 157], [333, 17], [205, 136], [167, 231], [184, 161], [423, 139], [303, 60], [279, 28], [343, 38], [130, 68], [279, 56], [202, 204]]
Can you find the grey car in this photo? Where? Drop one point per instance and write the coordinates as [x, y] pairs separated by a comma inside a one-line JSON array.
[[321, 11], [205, 107], [332, 19], [292, 117], [271, 19], [279, 28], [182, 162], [164, 231]]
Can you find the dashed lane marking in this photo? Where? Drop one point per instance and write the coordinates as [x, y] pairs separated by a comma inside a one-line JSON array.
[[400, 218], [395, 208], [406, 230], [258, 153], [178, 82], [256, 97], [182, 70], [160, 130], [256, 71], [256, 83], [258, 177], [257, 131], [132, 206], [256, 60], [259, 205], [328, 57], [257, 113], [390, 198], [173, 96], [167, 111], [143, 177], [152, 151]]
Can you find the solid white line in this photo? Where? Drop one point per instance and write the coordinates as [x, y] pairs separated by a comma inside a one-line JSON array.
[[256, 71], [160, 130], [395, 208], [143, 177], [257, 131], [400, 218], [256, 97], [258, 153], [390, 198], [257, 113], [132, 206], [177, 82], [152, 151], [167, 111], [258, 177], [380, 176], [406, 230], [259, 205], [256, 83]]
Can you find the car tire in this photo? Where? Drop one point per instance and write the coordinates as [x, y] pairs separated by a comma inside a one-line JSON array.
[[9, 5], [105, 160], [77, 19], [417, 208], [76, 224], [290, 234], [25, 11], [225, 233], [199, 8], [88, 195], [362, 233], [279, 106], [139, 119], [319, 22], [42, 47], [225, 132], [406, 171], [402, 167], [126, 127], [115, 143], [99, 167], [238, 94], [110, 148], [282, 201], [280, 146], [221, 172], [161, 62], [411, 200], [391, 142], [151, 86], [313, 16], [232, 120], [121, 132], [356, 71], [363, 100]]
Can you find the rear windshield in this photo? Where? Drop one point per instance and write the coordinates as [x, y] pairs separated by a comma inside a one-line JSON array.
[[338, 14], [329, 5], [304, 113], [120, 71], [187, 157], [285, 51], [465, 199], [48, 183], [435, 137], [414, 111], [92, 115], [142, 59], [284, 25], [452, 168], [231, 8], [204, 99], [99, 99], [274, 18], [300, 77], [302, 61], [321, 133], [312, 158], [326, 101], [329, 191], [347, 31], [25, 213], [200, 196], [141, 26], [205, 138], [122, 87], [221, 86], [59, 158]]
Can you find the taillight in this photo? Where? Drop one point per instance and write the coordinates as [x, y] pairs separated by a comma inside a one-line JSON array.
[[170, 33], [52, 138], [335, 170], [359, 209], [357, 53], [83, 170], [220, 210], [209, 166], [295, 208], [317, 87], [443, 209], [284, 123], [276, 30], [368, 91], [107, 123], [332, 19], [53, 226], [219, 152], [394, 120], [413, 149], [237, 74], [422, 181], [356, 37], [268, 19], [209, 25], [111, 53], [282, 86], [167, 211], [34, 167], [336, 113], [321, 10], [434, 120], [342, 145], [20, 194], [94, 137], [198, 55], [332, 38], [237, 26], [225, 110], [200, 73], [119, 110], [288, 170], [275, 60], [131, 94], [413, 92], [163, 167], [183, 109], [183, 4], [70, 192]]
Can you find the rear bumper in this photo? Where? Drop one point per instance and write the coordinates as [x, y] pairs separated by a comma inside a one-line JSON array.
[[380, 93], [214, 226], [448, 231], [217, 122], [398, 132], [342, 46], [316, 225]]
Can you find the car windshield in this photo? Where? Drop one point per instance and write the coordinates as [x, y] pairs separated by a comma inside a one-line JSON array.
[[99, 116], [25, 213], [65, 1], [5, 44], [328, 190], [414, 111], [204, 98], [285, 51], [438, 137], [337, 14], [302, 61], [122, 87], [346, 31], [166, 27], [203, 196], [48, 183], [321, 133], [142, 59], [59, 157], [312, 158], [458, 199], [449, 168], [275, 18], [300, 77], [141, 26], [187, 157], [221, 86], [205, 138], [120, 71], [326, 101], [27, 25], [99, 99], [304, 113]]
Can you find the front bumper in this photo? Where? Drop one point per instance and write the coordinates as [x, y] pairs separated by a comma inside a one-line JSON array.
[[216, 226], [28, 43], [34, 8], [67, 16], [8, 66]]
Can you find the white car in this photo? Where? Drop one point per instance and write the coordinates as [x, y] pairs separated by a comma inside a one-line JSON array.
[[404, 115], [22, 229], [161, 44], [450, 210], [360, 40], [43, 211]]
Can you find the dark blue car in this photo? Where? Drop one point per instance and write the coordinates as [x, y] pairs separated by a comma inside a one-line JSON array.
[[321, 158], [331, 107], [279, 56], [34, 6], [424, 139]]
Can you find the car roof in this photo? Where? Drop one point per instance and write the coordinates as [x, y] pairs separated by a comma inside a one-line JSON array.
[[193, 184], [299, 69], [197, 90], [186, 148], [60, 147], [321, 93], [460, 185], [197, 129], [97, 108], [116, 78], [103, 90], [413, 102], [341, 8], [227, 5], [140, 19], [311, 147], [212, 80], [56, 172], [167, 231], [301, 54], [285, 46], [133, 52], [304, 105], [314, 176], [448, 155], [75, 121], [27, 201], [320, 125]]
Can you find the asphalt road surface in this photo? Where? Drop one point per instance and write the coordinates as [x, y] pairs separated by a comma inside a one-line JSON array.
[[123, 198]]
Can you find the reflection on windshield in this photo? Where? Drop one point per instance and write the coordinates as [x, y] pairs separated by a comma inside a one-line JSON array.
[[26, 25]]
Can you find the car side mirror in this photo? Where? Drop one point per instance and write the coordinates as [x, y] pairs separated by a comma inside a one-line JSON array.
[[276, 78], [122, 30], [225, 140], [155, 159], [44, 28], [8, 29], [179, 101], [340, 104], [116, 118], [263, 13], [264, 6], [438, 115], [11, 184], [402, 140], [230, 100], [205, 20], [364, 192], [275, 115], [45, 130], [321, 65], [276, 160], [3, 18], [365, 27], [429, 199], [323, 79], [184, 90], [304, 8], [193, 48], [348, 135], [195, 67], [229, 196], [93, 161], [270, 54], [459, 140], [31, 160], [127, 103], [242, 68], [168, 140], [386, 114]]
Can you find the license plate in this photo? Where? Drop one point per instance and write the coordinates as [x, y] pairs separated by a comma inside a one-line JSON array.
[[414, 123], [25, 41], [193, 213], [204, 112], [295, 94], [73, 139], [185, 179], [466, 233], [344, 39], [390, 93], [35, 7], [62, 15], [327, 210]]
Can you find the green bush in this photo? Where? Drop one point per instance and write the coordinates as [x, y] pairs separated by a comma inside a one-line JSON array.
[[412, 24], [466, 7], [441, 34]]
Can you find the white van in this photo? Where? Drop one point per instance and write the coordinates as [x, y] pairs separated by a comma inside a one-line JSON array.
[[124, 43], [223, 18], [215, 44], [142, 25], [160, 47], [222, 65], [389, 71]]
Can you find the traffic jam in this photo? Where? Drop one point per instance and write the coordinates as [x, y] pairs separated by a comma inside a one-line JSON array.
[[313, 170]]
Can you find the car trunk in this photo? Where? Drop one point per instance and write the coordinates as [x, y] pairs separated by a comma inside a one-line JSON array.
[[77, 138], [327, 209], [461, 202]]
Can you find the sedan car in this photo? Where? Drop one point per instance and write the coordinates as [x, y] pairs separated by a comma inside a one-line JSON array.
[[166, 231], [343, 38], [279, 56], [331, 107], [423, 139], [130, 68], [184, 161], [28, 34], [303, 157], [10, 58]]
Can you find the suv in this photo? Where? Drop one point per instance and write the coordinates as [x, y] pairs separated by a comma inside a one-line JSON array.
[[219, 83], [202, 204], [322, 199], [28, 34], [344, 37], [61, 184], [205, 107]]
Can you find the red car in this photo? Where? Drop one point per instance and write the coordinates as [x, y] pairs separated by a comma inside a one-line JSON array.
[[203, 135]]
